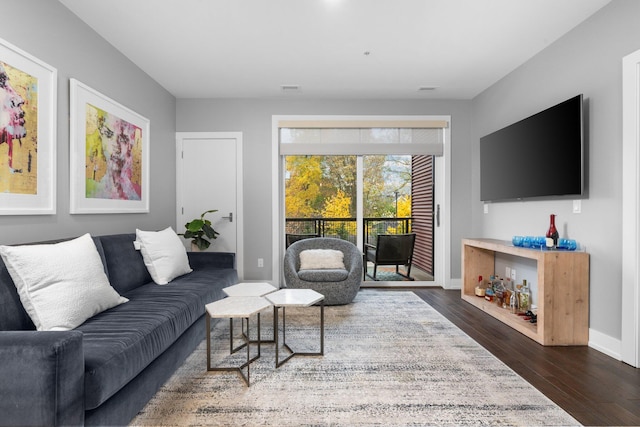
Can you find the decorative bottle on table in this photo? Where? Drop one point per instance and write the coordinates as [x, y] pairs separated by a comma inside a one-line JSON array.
[[524, 298], [513, 302], [552, 233]]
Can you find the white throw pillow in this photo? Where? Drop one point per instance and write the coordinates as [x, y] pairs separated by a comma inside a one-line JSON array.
[[60, 285], [319, 259], [164, 254]]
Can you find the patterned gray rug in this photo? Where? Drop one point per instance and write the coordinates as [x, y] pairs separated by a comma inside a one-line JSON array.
[[390, 360]]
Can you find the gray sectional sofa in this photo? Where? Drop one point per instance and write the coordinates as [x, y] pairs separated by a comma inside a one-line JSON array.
[[104, 371]]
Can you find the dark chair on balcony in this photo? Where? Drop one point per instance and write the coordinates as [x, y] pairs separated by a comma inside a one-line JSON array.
[[292, 238], [391, 249], [339, 285]]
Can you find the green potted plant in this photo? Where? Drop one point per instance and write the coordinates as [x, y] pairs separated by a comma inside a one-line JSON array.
[[198, 229]]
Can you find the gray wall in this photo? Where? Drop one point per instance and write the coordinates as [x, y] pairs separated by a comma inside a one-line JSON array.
[[51, 33], [587, 60], [253, 118]]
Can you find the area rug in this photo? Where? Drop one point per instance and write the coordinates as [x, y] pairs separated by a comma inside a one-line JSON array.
[[390, 360]]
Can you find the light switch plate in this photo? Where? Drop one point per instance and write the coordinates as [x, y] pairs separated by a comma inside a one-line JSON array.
[[577, 206]]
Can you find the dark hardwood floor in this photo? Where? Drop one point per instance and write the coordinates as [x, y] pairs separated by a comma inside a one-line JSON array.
[[594, 388]]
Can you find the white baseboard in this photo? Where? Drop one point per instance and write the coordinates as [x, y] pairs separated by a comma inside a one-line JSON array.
[[453, 284], [605, 344]]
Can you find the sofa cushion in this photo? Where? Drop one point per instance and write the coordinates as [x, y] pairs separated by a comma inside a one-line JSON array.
[[207, 283], [13, 316], [60, 285], [324, 275], [164, 254], [125, 265], [121, 342]]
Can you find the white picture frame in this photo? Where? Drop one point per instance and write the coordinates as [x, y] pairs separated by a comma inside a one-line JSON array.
[[28, 97], [109, 155]]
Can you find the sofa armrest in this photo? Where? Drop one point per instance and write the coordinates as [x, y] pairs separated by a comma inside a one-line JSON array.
[[212, 259], [42, 378]]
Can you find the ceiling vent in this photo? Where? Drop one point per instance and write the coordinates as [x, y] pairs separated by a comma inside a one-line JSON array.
[[427, 88], [290, 88]]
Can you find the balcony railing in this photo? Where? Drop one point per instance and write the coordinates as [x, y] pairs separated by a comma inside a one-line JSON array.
[[345, 228]]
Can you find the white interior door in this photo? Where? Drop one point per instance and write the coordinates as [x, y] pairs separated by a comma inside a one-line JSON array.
[[630, 342], [209, 176]]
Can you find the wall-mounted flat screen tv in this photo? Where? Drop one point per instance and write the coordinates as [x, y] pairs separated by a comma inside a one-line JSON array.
[[541, 156]]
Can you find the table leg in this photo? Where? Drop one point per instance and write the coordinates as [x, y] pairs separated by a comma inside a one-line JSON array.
[[284, 336], [322, 328], [276, 332], [241, 346], [208, 323], [247, 364]]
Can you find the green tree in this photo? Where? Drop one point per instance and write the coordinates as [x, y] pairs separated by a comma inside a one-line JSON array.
[[374, 195], [339, 173]]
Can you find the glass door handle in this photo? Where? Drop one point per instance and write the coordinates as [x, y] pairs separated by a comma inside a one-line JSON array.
[[230, 217]]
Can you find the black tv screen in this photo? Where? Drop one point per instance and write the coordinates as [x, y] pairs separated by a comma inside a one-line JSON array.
[[541, 156]]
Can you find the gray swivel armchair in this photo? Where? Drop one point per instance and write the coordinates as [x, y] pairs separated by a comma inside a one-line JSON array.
[[337, 285]]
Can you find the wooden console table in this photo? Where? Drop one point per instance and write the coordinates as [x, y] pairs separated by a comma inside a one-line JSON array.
[[563, 290]]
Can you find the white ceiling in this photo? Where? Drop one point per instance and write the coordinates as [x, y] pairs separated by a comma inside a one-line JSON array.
[[330, 48]]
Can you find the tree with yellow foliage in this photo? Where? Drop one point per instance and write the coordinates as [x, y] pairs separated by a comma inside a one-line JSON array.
[[337, 206], [303, 188]]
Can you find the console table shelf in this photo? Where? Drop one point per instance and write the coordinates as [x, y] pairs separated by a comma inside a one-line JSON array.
[[563, 290]]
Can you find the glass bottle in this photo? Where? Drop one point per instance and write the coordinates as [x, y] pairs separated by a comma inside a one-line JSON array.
[[524, 297], [552, 233], [513, 302], [480, 291]]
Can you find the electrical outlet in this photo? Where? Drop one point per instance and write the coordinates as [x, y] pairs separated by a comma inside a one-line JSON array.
[[260, 262], [513, 274]]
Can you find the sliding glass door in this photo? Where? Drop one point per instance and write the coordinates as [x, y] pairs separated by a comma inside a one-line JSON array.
[[321, 199], [361, 177]]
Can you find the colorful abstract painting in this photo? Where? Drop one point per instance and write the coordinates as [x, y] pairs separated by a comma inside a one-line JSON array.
[[109, 154], [28, 106], [18, 131], [113, 156]]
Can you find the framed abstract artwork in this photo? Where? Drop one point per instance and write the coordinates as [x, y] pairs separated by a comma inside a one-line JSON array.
[[109, 155], [27, 133]]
